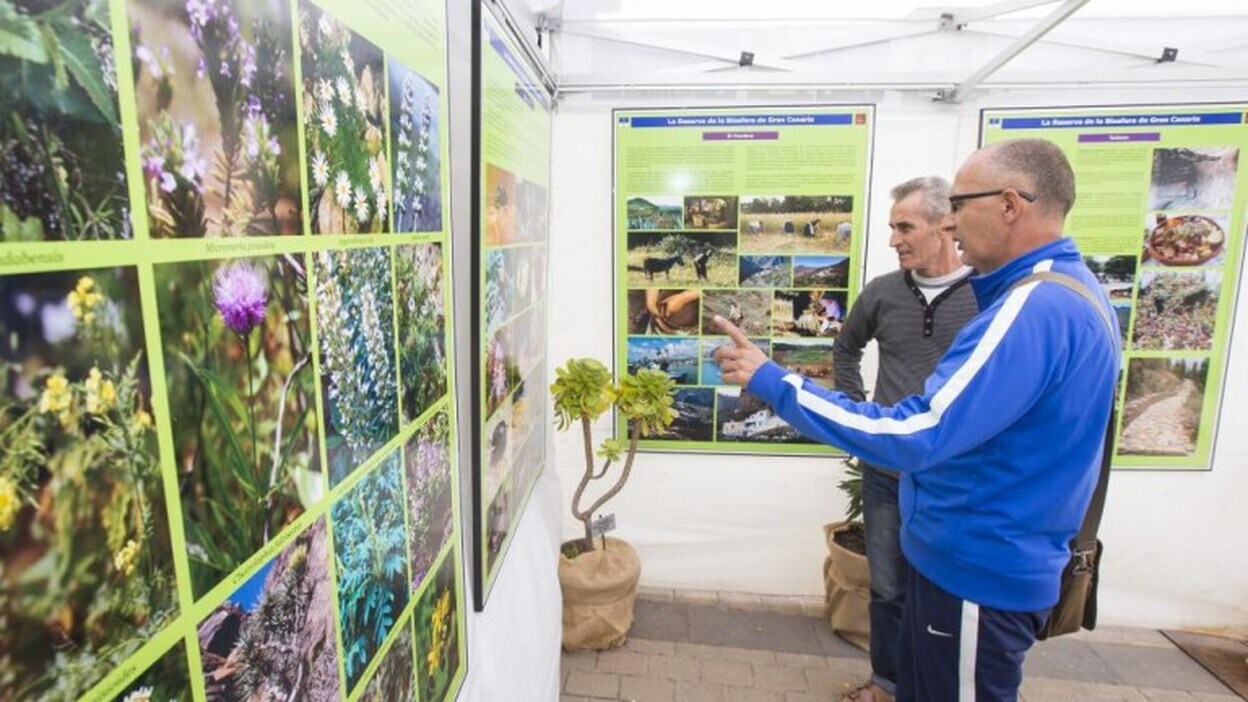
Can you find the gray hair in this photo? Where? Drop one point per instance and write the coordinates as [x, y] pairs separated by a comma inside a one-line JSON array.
[[935, 195], [1043, 167]]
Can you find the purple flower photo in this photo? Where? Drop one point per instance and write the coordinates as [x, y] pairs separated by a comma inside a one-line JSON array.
[[240, 291], [238, 365], [214, 86]]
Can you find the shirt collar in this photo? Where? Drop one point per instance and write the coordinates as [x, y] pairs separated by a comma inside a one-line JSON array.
[[991, 286]]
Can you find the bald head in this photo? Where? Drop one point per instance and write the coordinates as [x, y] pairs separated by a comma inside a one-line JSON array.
[[1010, 198], [1034, 165]]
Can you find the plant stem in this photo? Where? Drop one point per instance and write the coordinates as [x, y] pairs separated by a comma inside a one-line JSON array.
[[585, 478], [245, 340], [633, 435], [277, 442]]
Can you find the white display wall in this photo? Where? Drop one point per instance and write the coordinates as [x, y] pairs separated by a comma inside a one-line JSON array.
[[513, 646], [753, 524]]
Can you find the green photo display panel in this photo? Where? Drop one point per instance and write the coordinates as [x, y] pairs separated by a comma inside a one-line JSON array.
[[756, 214], [1160, 216], [511, 209], [227, 404]]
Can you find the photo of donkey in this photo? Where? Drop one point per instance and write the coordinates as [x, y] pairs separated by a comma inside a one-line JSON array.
[[696, 259], [651, 265]]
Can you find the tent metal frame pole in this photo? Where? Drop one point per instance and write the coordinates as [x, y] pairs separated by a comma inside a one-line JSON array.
[[994, 64]]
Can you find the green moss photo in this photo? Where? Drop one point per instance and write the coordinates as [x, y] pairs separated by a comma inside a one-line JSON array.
[[393, 678]]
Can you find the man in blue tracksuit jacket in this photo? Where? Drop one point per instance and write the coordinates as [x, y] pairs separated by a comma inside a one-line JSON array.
[[1000, 453]]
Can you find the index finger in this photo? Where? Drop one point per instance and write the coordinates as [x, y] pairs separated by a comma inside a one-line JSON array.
[[733, 331]]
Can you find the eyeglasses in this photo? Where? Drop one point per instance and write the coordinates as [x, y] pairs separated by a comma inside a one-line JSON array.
[[955, 201]]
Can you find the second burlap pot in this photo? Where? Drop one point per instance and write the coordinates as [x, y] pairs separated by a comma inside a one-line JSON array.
[[599, 589], [847, 581]]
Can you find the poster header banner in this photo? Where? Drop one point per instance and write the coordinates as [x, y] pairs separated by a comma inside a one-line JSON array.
[[1201, 119], [797, 120]]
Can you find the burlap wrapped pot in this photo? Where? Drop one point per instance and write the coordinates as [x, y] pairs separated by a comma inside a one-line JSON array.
[[599, 589], [847, 582]]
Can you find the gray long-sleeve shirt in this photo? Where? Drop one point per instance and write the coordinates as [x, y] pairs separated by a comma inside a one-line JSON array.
[[912, 334]]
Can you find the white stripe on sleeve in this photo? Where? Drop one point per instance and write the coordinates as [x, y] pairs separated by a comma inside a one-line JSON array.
[[944, 397]]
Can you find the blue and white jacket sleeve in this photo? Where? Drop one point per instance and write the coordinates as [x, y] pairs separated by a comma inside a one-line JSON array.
[[993, 373]]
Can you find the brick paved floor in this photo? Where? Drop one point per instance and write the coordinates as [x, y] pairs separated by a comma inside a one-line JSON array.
[[720, 649]]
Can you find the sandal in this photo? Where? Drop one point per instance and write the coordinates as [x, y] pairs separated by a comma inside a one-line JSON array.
[[867, 692]]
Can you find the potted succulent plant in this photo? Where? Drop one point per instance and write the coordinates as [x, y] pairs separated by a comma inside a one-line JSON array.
[[845, 574], [599, 580]]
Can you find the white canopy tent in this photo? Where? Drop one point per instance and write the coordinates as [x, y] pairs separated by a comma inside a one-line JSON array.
[[751, 524], [701, 45]]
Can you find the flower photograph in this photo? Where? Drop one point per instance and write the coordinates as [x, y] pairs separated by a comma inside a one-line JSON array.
[[62, 169], [344, 127], [531, 458], [86, 567], [355, 328], [166, 679], [429, 513], [414, 130], [532, 211], [498, 522], [422, 327], [393, 678], [526, 408], [528, 276], [500, 448], [531, 348], [438, 632], [215, 94], [499, 289], [499, 205], [1177, 310], [273, 637], [370, 553], [242, 396], [501, 372]]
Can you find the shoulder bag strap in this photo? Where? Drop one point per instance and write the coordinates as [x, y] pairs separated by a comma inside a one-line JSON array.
[[1085, 541]]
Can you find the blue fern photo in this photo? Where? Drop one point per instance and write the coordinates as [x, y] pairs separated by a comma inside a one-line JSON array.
[[370, 554]]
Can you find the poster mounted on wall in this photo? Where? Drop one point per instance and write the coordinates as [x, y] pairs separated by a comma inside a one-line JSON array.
[[226, 401], [1160, 215], [511, 185], [757, 214]]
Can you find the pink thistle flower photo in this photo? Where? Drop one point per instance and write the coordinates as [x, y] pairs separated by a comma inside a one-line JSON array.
[[240, 292]]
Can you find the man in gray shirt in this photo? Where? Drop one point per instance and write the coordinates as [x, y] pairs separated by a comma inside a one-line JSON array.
[[912, 314]]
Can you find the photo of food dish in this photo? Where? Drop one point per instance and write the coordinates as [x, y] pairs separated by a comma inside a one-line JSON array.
[[1184, 240]]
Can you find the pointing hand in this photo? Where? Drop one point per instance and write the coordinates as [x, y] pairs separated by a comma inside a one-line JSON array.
[[738, 361]]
